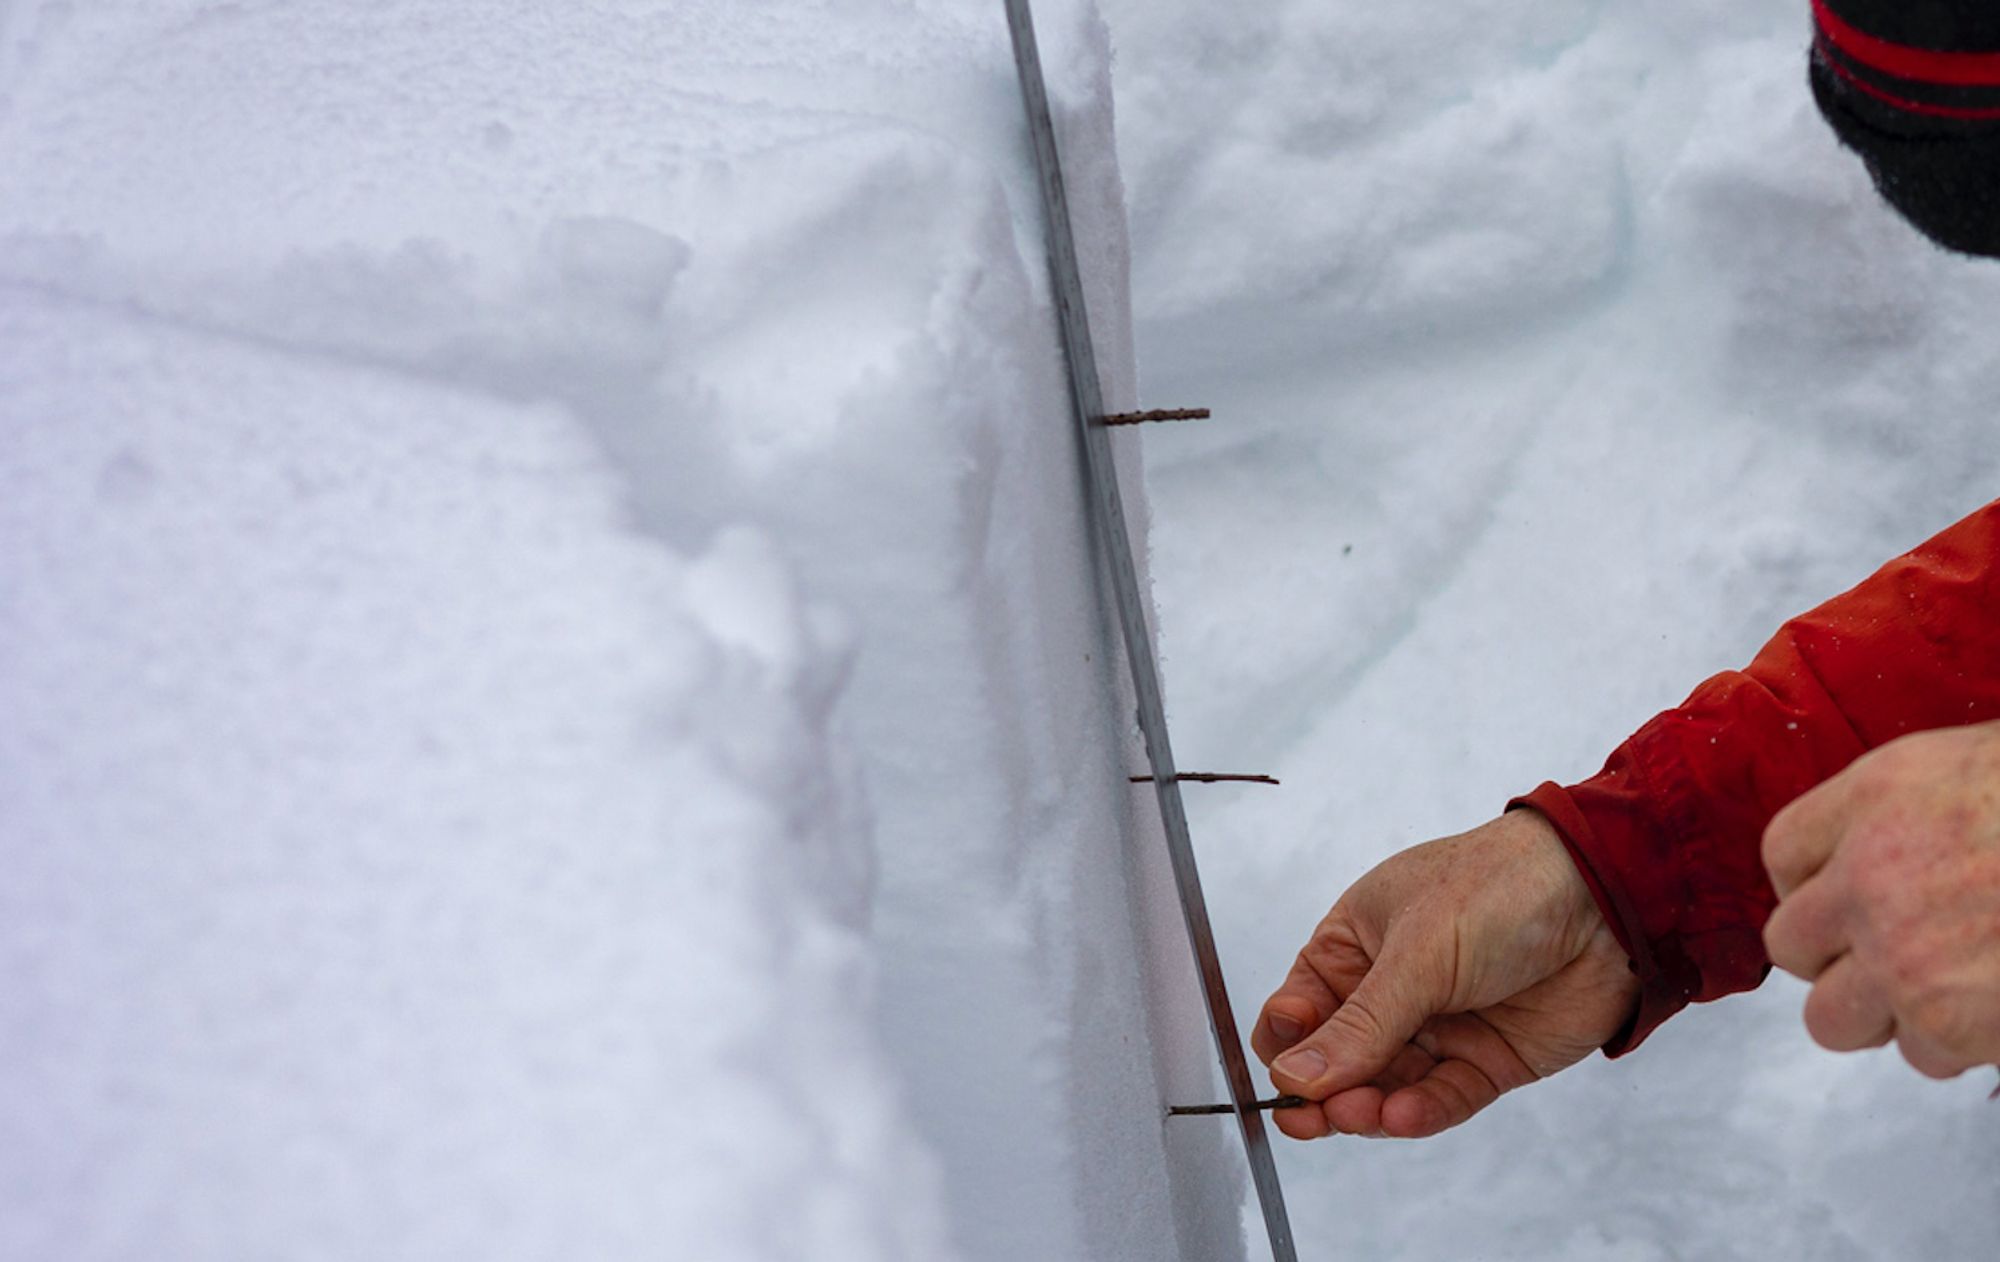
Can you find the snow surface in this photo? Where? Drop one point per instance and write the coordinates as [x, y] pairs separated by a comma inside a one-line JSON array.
[[1558, 355], [556, 698]]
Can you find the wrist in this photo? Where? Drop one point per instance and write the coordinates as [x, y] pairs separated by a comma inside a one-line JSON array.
[[1571, 903]]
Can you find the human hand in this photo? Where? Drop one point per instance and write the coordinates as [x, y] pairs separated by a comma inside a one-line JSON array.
[[1888, 880], [1452, 972]]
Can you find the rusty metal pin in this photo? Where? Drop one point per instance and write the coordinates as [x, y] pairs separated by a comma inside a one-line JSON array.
[[1161, 414], [1213, 1110]]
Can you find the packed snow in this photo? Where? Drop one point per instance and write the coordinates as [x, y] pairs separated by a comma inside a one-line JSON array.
[[556, 699]]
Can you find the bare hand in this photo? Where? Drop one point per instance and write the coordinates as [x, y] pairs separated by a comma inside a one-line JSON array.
[[1453, 972], [1888, 877]]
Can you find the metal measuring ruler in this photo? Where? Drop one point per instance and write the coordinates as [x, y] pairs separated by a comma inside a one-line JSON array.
[[1086, 395]]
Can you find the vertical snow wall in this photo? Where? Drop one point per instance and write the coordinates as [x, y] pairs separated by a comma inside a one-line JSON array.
[[555, 699]]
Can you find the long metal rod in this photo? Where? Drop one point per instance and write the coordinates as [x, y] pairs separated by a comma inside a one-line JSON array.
[[1086, 394]]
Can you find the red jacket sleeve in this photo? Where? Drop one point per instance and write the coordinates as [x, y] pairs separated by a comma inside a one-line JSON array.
[[1668, 835]]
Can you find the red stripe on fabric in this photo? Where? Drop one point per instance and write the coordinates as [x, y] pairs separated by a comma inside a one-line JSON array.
[[1962, 70], [1913, 107]]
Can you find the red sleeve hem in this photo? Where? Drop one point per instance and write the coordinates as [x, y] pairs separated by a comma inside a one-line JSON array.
[[1659, 997], [1668, 835]]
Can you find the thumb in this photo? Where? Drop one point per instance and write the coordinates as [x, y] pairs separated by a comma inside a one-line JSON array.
[[1365, 1033]]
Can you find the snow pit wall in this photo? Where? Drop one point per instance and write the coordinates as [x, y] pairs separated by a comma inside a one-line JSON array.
[[558, 702]]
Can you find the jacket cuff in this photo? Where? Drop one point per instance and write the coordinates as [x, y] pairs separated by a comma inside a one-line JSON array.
[[1668, 835], [1661, 994], [1677, 889]]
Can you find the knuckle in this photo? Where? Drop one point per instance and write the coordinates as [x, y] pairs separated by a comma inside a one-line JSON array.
[[1323, 955], [1781, 938], [1780, 841], [1886, 764], [1363, 1025], [1784, 955], [1840, 1023], [1882, 890], [1822, 1030], [1819, 1017], [1876, 859], [1938, 1016], [1927, 1062], [1911, 965], [1361, 1021]]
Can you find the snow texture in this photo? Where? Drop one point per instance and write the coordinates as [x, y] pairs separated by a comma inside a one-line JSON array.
[[556, 701], [555, 698], [1558, 355]]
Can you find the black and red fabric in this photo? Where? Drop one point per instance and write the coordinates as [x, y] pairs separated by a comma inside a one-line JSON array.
[[1913, 88]]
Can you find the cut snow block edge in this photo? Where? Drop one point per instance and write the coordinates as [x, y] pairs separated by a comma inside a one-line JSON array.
[[483, 689]]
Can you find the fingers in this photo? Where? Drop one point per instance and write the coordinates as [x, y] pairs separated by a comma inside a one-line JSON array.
[[1298, 1007], [1356, 1112], [1284, 1021], [1362, 1036], [1321, 1118], [1305, 1122], [1801, 838], [1846, 1011], [1808, 931], [1444, 1095], [1448, 1095], [1929, 1058]]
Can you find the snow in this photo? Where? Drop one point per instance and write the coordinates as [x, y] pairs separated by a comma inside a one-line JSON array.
[[557, 700], [557, 694], [337, 910], [1558, 355]]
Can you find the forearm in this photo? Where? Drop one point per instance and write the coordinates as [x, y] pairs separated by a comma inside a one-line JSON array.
[[1667, 834]]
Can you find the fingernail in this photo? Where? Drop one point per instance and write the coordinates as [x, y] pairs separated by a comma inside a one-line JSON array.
[[1285, 1028], [1305, 1064]]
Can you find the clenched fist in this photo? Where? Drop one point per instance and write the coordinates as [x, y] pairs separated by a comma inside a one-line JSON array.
[[1888, 879]]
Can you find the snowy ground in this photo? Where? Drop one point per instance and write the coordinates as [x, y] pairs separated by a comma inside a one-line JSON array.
[[555, 703], [1557, 356], [551, 700]]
